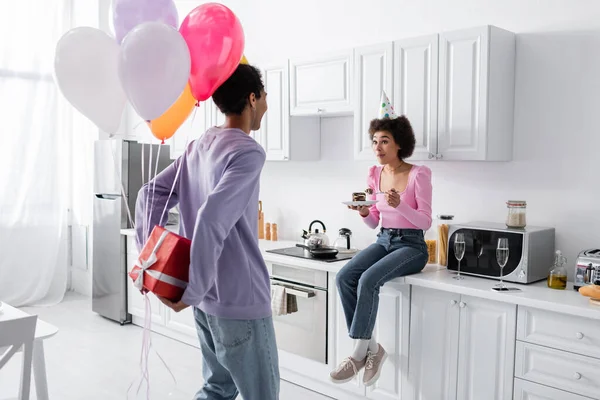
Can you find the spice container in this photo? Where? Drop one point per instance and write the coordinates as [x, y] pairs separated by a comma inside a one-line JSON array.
[[557, 279], [268, 231], [516, 217]]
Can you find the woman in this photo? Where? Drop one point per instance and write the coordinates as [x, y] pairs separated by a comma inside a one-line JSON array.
[[403, 193]]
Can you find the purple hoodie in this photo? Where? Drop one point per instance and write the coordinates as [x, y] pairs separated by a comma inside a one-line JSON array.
[[217, 192]]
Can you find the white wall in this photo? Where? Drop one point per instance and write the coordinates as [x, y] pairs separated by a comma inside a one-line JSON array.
[[556, 113]]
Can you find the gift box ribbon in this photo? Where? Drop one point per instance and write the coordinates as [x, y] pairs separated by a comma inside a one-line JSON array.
[[152, 259]]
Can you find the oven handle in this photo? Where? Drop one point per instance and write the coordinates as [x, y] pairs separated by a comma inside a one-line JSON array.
[[307, 294]]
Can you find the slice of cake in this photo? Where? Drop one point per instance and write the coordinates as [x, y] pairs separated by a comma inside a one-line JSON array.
[[359, 196]]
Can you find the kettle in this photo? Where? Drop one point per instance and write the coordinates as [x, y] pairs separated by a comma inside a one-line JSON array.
[[315, 239]]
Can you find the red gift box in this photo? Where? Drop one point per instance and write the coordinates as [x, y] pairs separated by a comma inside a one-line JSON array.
[[163, 265]]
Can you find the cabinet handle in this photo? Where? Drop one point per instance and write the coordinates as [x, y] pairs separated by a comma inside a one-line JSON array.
[[320, 110], [285, 157], [577, 376], [431, 156], [462, 304], [579, 335], [439, 156], [453, 302]]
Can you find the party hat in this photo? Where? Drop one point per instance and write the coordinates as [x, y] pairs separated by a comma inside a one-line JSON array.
[[386, 110], [244, 60]]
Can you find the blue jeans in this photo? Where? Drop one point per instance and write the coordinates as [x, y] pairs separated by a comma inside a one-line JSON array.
[[397, 252], [239, 357]]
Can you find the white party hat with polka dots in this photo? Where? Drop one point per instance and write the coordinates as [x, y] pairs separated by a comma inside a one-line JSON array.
[[386, 110]]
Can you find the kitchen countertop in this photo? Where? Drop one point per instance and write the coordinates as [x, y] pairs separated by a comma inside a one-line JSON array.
[[535, 295]]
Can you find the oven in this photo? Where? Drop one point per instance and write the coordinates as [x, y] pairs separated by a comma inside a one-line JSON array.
[[303, 332]]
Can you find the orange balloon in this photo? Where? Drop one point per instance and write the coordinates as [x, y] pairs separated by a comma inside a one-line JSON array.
[[165, 126]]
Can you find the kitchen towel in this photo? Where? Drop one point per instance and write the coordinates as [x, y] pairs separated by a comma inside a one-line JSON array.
[[278, 300], [292, 304]]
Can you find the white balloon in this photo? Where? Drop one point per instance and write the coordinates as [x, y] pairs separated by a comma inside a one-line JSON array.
[[86, 71], [154, 68]]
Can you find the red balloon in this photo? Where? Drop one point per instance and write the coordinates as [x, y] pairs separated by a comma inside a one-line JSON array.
[[215, 38]]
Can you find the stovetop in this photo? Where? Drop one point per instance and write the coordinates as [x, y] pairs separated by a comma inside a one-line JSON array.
[[299, 252]]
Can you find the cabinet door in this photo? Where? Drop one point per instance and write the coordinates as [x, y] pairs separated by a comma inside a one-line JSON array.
[[433, 354], [321, 85], [136, 303], [373, 75], [416, 90], [390, 332], [463, 94], [487, 349], [275, 127], [193, 127], [182, 321]]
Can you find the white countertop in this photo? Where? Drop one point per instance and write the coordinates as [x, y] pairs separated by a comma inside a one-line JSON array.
[[535, 295]]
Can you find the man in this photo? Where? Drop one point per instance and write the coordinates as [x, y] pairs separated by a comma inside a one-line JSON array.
[[217, 192]]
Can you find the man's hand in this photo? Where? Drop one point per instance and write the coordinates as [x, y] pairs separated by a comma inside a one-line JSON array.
[[179, 306]]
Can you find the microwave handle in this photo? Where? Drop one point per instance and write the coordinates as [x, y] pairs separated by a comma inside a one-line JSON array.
[[307, 294]]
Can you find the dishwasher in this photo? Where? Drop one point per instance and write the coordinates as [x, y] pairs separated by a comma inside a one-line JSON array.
[[303, 332]]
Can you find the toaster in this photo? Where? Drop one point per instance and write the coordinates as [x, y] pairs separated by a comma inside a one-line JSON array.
[[587, 268]]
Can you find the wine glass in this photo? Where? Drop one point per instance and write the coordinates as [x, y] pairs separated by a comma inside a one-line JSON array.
[[502, 258], [459, 251]]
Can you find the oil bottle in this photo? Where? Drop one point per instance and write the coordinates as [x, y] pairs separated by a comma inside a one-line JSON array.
[[557, 279]]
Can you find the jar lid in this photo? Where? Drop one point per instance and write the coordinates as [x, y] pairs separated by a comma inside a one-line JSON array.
[[516, 203], [446, 217]]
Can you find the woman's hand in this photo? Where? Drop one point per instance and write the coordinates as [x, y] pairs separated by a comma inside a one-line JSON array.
[[392, 197], [362, 210]]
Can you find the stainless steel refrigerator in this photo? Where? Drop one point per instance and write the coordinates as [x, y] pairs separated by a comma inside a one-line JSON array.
[[116, 162]]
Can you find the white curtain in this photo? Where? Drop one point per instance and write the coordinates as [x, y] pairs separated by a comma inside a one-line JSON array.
[[42, 155]]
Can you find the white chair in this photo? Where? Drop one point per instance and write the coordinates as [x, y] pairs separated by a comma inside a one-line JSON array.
[[14, 335]]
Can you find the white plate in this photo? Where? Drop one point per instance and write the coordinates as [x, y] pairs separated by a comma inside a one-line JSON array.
[[360, 203]]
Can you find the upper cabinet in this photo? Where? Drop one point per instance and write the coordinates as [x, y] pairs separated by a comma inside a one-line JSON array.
[[476, 95], [283, 138], [416, 88], [456, 88], [373, 73], [322, 85]]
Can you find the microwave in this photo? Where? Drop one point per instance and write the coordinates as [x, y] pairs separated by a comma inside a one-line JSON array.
[[530, 258]]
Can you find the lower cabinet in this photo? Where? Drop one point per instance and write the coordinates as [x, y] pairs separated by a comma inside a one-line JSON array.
[[461, 347]]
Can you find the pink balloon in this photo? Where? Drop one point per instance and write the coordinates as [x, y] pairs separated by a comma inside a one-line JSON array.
[[215, 38]]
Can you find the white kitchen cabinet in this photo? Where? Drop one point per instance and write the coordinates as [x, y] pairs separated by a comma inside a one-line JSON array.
[[373, 74], [392, 332], [285, 138], [473, 358], [486, 344], [416, 89], [322, 85], [194, 126], [136, 303], [476, 94], [433, 355]]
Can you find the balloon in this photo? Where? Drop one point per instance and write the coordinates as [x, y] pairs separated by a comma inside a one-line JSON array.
[[216, 41], [244, 60], [85, 69], [154, 68], [167, 124], [126, 14]]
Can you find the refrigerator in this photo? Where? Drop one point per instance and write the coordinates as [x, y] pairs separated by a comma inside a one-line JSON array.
[[117, 180]]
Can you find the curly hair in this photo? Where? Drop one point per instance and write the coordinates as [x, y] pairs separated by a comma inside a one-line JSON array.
[[232, 96], [401, 131]]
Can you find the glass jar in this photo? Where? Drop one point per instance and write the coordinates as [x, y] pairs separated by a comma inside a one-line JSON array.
[[431, 240], [443, 222], [516, 217], [557, 278]]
